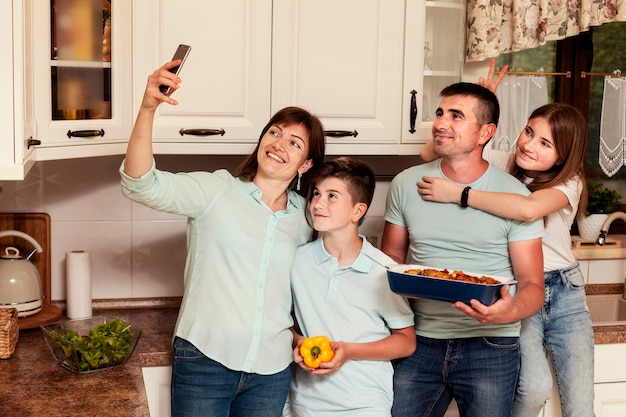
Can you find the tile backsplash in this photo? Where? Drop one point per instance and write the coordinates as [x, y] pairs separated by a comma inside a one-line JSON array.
[[136, 252]]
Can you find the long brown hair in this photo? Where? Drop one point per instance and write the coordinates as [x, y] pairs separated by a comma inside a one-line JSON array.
[[569, 131], [287, 117]]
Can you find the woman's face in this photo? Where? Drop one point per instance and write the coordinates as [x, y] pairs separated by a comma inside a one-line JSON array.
[[536, 151], [283, 152]]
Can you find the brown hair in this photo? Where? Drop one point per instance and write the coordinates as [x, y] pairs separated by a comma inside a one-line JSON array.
[[358, 176], [487, 110], [287, 117], [569, 131]]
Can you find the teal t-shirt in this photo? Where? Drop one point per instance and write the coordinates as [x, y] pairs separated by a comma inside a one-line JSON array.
[[449, 236]]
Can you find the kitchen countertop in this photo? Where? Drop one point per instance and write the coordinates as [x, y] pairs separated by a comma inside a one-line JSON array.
[[586, 250], [34, 384]]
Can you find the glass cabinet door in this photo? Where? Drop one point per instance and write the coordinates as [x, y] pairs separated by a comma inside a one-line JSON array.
[[80, 59], [434, 54], [82, 67]]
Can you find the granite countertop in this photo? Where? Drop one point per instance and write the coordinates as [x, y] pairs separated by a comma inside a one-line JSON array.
[[36, 385]]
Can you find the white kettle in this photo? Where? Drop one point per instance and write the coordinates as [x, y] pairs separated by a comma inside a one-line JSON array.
[[20, 282]]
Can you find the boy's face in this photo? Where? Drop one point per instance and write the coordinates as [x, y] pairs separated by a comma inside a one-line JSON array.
[[332, 207]]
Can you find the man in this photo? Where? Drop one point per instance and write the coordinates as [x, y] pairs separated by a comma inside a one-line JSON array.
[[466, 352]]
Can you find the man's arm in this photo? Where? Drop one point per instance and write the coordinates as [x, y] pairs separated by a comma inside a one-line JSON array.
[[527, 260], [395, 242]]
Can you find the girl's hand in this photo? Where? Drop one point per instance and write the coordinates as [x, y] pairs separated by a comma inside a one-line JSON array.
[[489, 82], [439, 190], [152, 97]]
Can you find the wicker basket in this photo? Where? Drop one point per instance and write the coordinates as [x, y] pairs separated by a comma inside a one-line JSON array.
[[9, 331]]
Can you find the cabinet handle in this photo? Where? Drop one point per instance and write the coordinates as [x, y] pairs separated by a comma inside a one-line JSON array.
[[201, 132], [84, 133], [340, 133], [413, 111], [32, 142]]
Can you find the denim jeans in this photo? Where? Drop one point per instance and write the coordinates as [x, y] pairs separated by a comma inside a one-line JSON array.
[[564, 328], [480, 373], [204, 387]]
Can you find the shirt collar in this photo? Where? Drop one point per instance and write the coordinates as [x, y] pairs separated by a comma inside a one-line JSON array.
[[361, 264], [294, 200]]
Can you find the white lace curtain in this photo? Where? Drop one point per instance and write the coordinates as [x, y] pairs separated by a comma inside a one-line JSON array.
[[613, 126], [518, 97]]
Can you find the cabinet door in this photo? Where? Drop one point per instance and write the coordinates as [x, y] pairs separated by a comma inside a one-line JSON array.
[[610, 400], [81, 77], [434, 51], [226, 77], [15, 154], [343, 62]]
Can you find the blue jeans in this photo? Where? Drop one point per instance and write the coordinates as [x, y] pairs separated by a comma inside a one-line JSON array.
[[204, 387], [564, 328], [480, 373]]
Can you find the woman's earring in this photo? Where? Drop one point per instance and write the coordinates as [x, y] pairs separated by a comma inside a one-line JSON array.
[[298, 184]]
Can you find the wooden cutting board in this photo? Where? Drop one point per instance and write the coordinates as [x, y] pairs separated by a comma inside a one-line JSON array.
[[36, 225]]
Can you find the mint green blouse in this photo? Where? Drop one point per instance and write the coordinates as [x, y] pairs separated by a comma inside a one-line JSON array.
[[237, 300]]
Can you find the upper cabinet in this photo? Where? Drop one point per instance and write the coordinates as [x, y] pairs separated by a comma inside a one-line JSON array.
[[370, 70], [433, 59], [343, 61], [225, 95], [82, 77], [16, 157]]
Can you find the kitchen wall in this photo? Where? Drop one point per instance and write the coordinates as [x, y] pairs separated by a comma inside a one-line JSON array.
[[136, 252]]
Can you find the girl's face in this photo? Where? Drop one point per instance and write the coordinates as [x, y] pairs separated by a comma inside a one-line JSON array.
[[283, 152], [536, 151], [331, 206]]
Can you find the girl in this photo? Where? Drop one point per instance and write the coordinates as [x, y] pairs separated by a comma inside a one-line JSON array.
[[232, 342], [549, 158]]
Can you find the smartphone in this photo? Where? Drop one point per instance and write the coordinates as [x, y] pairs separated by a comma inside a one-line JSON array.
[[181, 53]]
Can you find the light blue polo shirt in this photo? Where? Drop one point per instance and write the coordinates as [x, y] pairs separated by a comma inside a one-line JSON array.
[[351, 304], [236, 306]]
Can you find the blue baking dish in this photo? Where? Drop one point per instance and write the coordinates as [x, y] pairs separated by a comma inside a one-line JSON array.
[[411, 285]]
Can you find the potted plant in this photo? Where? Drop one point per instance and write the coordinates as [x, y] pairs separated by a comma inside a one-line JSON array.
[[601, 201]]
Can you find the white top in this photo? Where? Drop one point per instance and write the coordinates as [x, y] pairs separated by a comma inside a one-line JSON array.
[[351, 304], [557, 242]]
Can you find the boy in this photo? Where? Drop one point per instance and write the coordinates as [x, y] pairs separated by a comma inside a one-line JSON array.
[[342, 293]]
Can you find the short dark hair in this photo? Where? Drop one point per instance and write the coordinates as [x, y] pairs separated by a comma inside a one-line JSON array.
[[357, 174], [488, 109], [287, 117]]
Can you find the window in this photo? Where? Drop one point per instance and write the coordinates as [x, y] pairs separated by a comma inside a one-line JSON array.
[[603, 50]]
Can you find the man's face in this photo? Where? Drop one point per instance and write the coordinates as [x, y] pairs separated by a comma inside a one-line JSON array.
[[456, 130]]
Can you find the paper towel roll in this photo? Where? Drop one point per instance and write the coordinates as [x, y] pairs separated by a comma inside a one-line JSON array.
[[78, 284]]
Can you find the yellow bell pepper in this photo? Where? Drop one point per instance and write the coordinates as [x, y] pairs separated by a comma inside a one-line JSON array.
[[316, 350]]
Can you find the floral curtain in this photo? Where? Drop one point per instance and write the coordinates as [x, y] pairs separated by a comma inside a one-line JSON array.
[[498, 26]]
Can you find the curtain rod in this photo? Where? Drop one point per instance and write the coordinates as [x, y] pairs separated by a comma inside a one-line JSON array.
[[567, 74], [616, 73]]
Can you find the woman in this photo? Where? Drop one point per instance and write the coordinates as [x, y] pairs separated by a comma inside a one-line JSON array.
[[550, 159], [232, 342]]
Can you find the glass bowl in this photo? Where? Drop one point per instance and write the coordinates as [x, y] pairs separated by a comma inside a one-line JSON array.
[[91, 344]]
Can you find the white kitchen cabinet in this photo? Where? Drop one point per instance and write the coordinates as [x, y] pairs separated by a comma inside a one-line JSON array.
[[610, 380], [343, 61], [82, 77], [157, 381], [16, 157], [433, 59], [225, 95]]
